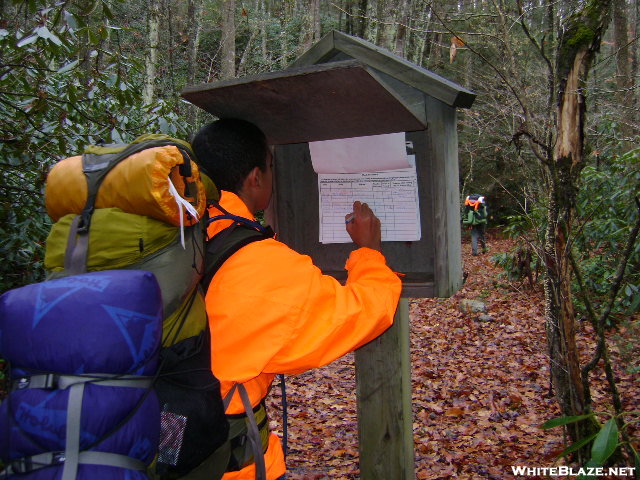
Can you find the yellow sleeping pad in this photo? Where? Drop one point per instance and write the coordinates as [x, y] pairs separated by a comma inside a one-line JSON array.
[[139, 184]]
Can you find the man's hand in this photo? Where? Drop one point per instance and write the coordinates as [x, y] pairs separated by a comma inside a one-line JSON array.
[[364, 227]]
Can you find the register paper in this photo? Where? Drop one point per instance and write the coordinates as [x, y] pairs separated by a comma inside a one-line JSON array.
[[375, 170], [391, 194]]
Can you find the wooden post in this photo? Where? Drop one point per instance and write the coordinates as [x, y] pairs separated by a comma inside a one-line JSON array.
[[383, 383]]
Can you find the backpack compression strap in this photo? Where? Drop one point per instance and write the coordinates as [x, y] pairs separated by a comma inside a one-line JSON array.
[[96, 166], [73, 455], [253, 434]]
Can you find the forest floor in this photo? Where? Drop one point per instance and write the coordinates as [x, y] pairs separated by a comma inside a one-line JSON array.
[[480, 388]]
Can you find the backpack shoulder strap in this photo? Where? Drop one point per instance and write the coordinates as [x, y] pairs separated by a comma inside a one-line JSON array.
[[225, 244]]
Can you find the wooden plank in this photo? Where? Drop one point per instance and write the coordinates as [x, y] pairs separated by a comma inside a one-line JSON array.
[[383, 383], [439, 87], [319, 102], [443, 145], [320, 52]]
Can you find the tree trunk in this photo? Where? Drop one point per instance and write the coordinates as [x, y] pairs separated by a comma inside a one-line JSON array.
[[151, 58], [360, 28], [623, 62], [349, 18], [356, 17], [422, 56], [310, 31], [169, 46], [635, 98], [384, 35], [228, 67], [194, 26], [247, 51], [578, 45], [263, 34], [283, 45], [315, 20], [401, 33]]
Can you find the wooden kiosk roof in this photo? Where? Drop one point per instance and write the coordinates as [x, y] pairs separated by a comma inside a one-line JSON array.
[[318, 102], [361, 90], [337, 45]]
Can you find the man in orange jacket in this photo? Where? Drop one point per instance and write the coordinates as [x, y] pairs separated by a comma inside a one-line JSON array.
[[270, 309]]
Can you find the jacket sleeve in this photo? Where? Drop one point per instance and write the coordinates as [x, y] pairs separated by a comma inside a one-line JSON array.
[[290, 317], [337, 319]]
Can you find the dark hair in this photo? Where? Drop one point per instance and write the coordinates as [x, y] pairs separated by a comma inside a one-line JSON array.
[[228, 149]]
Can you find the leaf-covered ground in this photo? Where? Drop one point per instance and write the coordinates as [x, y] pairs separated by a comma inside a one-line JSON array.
[[480, 388]]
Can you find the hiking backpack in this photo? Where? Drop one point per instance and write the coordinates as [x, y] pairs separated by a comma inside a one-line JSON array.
[[118, 210], [475, 210]]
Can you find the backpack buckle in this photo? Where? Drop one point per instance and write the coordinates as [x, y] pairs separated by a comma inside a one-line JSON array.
[[47, 381], [21, 383], [58, 458]]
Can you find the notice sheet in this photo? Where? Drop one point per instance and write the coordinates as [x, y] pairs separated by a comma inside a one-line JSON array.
[[391, 194], [360, 154]]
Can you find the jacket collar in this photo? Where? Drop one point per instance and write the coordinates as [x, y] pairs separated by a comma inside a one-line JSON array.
[[233, 204]]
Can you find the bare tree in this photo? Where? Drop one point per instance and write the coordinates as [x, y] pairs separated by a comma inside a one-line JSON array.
[[194, 26], [623, 62], [385, 13], [404, 8], [151, 57], [635, 99], [578, 43], [228, 68], [361, 19], [310, 31]]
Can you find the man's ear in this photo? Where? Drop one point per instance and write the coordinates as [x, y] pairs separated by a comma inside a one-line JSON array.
[[253, 179]]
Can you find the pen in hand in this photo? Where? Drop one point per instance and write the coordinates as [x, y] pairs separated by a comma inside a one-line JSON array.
[[363, 226]]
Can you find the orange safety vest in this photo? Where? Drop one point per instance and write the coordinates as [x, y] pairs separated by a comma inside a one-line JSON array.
[[271, 311]]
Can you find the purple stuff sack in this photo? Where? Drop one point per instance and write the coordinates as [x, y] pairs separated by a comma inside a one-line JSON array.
[[102, 325]]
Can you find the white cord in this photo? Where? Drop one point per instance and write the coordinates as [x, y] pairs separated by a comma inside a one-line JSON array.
[[182, 203]]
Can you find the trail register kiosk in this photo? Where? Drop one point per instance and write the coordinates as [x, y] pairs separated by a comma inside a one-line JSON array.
[[351, 121]]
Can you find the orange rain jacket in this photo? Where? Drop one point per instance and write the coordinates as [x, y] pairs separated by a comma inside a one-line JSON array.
[[271, 311]]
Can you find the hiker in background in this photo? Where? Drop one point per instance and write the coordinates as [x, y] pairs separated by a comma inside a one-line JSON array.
[[270, 309], [475, 216]]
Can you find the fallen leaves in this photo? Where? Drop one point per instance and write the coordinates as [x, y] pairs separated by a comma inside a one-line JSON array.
[[454, 412]]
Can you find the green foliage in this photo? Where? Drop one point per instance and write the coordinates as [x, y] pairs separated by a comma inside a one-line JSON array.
[[607, 212], [604, 442], [507, 261], [65, 84]]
